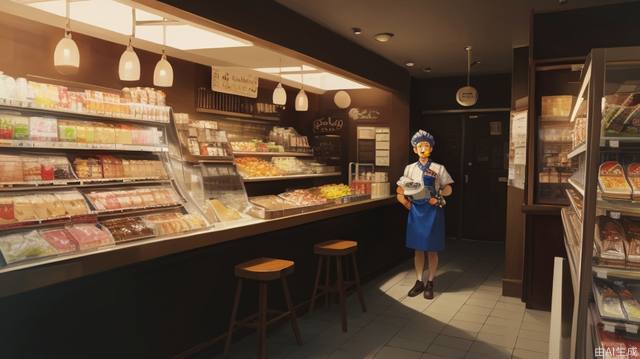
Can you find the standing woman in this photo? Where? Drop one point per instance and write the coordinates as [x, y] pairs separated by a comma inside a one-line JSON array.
[[425, 224]]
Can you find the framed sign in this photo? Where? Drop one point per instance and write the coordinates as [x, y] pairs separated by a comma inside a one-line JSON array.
[[234, 81]]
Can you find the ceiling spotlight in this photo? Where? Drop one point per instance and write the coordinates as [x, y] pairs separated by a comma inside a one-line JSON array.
[[409, 64], [356, 30], [383, 36], [426, 69]]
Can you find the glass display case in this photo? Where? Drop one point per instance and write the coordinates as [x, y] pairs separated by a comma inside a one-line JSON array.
[[84, 168], [602, 224], [553, 168]]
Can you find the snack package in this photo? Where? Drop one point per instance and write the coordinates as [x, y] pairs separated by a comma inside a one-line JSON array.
[[11, 169], [611, 239], [630, 304], [43, 129], [67, 131], [73, 202], [31, 169], [19, 247], [88, 236], [632, 234], [129, 228], [24, 209], [612, 181], [7, 211], [222, 212], [60, 239], [633, 175], [608, 300]]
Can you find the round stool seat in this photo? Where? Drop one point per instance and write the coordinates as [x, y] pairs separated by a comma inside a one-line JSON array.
[[263, 269], [335, 248]]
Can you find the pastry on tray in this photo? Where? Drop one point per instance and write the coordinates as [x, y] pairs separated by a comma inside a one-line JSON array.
[[22, 246], [632, 235], [613, 182], [609, 303], [633, 175], [222, 212]]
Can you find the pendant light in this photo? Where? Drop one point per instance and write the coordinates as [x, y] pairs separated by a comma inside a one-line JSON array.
[[163, 73], [302, 101], [279, 94], [66, 57], [129, 66]]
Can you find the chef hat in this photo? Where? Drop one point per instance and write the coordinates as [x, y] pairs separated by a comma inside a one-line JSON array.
[[422, 136]]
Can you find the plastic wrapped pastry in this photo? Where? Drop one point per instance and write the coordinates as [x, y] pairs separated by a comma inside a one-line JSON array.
[[222, 212], [24, 209], [73, 202], [633, 175], [610, 235], [630, 304], [88, 236], [18, 247], [60, 239], [608, 300], [126, 229], [613, 181]]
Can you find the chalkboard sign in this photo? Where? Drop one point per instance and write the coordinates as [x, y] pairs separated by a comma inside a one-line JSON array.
[[327, 125]]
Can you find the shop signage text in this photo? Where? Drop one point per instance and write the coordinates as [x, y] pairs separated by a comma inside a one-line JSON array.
[[327, 125], [234, 81]]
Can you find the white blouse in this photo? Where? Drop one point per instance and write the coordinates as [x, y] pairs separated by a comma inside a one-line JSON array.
[[442, 176]]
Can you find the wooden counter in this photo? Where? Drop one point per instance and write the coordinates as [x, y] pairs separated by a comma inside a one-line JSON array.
[[22, 278]]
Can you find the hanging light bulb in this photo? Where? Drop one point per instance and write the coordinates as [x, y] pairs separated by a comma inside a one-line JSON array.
[[279, 94], [66, 57], [129, 66], [302, 101], [163, 73]]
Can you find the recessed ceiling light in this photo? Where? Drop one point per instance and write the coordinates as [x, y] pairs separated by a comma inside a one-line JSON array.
[[285, 69], [427, 69], [324, 81], [356, 30], [409, 64], [383, 36]]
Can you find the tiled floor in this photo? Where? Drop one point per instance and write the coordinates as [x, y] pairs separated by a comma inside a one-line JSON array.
[[467, 319]]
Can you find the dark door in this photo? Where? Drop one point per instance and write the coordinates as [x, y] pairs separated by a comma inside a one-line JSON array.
[[447, 130], [484, 179]]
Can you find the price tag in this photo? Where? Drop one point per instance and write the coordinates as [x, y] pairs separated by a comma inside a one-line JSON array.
[[609, 328], [631, 328], [614, 215], [614, 143]]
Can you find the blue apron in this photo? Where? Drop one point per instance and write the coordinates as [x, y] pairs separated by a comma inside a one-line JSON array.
[[425, 225]]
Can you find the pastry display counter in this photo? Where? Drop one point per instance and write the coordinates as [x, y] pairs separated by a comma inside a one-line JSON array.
[[28, 276]]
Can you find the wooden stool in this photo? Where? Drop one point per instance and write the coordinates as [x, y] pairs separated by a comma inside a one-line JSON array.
[[339, 250], [263, 270]]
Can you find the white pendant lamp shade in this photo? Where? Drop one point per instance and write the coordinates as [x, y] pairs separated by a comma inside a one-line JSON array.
[[163, 73], [302, 101], [66, 57], [342, 99], [129, 67], [279, 95]]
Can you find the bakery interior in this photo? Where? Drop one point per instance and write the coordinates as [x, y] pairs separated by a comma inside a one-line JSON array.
[[148, 148]]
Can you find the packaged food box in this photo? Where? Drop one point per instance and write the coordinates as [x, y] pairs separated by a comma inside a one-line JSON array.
[[31, 169], [43, 129], [608, 301], [557, 106], [11, 169], [7, 211], [633, 175], [60, 239], [22, 246], [24, 209], [20, 128], [127, 229], [630, 304], [613, 182], [269, 207], [89, 235], [610, 240], [67, 131], [73, 202], [222, 212]]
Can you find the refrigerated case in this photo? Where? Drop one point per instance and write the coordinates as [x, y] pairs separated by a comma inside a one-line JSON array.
[[602, 224]]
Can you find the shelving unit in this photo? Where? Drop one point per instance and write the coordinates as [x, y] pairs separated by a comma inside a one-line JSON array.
[[273, 154], [603, 81], [79, 115], [234, 116]]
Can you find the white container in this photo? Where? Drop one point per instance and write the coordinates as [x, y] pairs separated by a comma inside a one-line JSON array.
[[22, 89]]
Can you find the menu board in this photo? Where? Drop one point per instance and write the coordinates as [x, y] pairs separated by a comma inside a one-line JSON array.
[[234, 81]]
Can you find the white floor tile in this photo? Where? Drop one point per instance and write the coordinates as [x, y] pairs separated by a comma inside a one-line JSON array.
[[397, 353]]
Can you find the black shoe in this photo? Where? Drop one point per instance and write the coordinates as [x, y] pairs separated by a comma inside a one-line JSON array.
[[417, 289], [428, 291]]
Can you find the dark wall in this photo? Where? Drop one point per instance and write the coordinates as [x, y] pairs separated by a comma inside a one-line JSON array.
[[275, 23], [440, 93], [575, 32]]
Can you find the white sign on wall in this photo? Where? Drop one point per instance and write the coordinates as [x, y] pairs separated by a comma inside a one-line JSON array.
[[234, 81]]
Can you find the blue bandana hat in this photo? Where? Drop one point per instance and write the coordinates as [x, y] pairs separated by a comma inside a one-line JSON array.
[[423, 136]]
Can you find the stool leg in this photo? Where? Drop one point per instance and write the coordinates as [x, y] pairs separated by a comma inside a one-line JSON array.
[[356, 275], [292, 311], [234, 311], [262, 321], [343, 307], [327, 293], [317, 283]]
